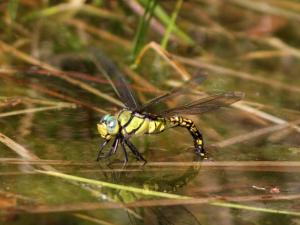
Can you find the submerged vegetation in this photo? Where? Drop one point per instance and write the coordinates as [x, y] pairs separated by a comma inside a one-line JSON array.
[[52, 96]]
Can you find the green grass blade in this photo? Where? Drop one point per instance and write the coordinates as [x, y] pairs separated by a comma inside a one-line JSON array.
[[171, 25], [166, 20], [12, 8], [143, 26], [114, 186], [252, 208]]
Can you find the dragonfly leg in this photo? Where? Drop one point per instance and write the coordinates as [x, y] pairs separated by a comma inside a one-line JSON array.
[[135, 151], [101, 149], [125, 152], [113, 148], [197, 136]]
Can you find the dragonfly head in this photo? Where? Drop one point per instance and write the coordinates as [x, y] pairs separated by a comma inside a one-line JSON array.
[[108, 126]]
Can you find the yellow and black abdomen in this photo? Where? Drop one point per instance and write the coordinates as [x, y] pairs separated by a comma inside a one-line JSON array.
[[133, 123], [190, 125]]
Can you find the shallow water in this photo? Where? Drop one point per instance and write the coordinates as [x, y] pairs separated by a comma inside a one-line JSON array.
[[68, 135]]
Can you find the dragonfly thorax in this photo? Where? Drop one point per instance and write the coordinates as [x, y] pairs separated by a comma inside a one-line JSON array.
[[108, 126]]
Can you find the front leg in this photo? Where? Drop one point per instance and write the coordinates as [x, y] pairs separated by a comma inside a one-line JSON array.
[[101, 149], [124, 151], [113, 148]]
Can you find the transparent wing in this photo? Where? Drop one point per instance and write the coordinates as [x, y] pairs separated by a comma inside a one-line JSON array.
[[187, 86], [205, 104], [115, 77]]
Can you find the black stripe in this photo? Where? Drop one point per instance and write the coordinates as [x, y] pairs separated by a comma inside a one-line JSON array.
[[158, 120], [126, 124], [154, 125], [174, 123], [134, 130], [159, 126], [133, 114], [139, 114]]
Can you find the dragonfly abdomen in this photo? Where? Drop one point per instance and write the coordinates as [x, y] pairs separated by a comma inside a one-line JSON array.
[[190, 125]]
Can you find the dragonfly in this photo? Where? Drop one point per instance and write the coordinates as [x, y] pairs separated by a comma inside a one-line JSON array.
[[137, 119]]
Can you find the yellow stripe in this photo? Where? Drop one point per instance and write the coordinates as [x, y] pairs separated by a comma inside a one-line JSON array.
[[124, 117], [160, 125], [144, 128], [199, 141], [152, 127], [156, 126], [133, 124]]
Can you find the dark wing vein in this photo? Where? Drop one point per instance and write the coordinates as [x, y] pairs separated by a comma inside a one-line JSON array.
[[188, 85], [205, 104], [115, 77]]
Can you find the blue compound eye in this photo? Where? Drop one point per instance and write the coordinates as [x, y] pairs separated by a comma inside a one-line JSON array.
[[105, 118], [111, 123]]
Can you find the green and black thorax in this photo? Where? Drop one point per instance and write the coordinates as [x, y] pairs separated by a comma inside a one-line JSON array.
[[134, 123]]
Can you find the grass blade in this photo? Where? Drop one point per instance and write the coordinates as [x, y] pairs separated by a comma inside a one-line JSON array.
[[139, 39], [162, 15], [114, 186], [171, 25]]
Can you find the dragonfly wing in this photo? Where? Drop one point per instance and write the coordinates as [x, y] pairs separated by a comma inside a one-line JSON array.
[[116, 78], [205, 104], [187, 86]]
